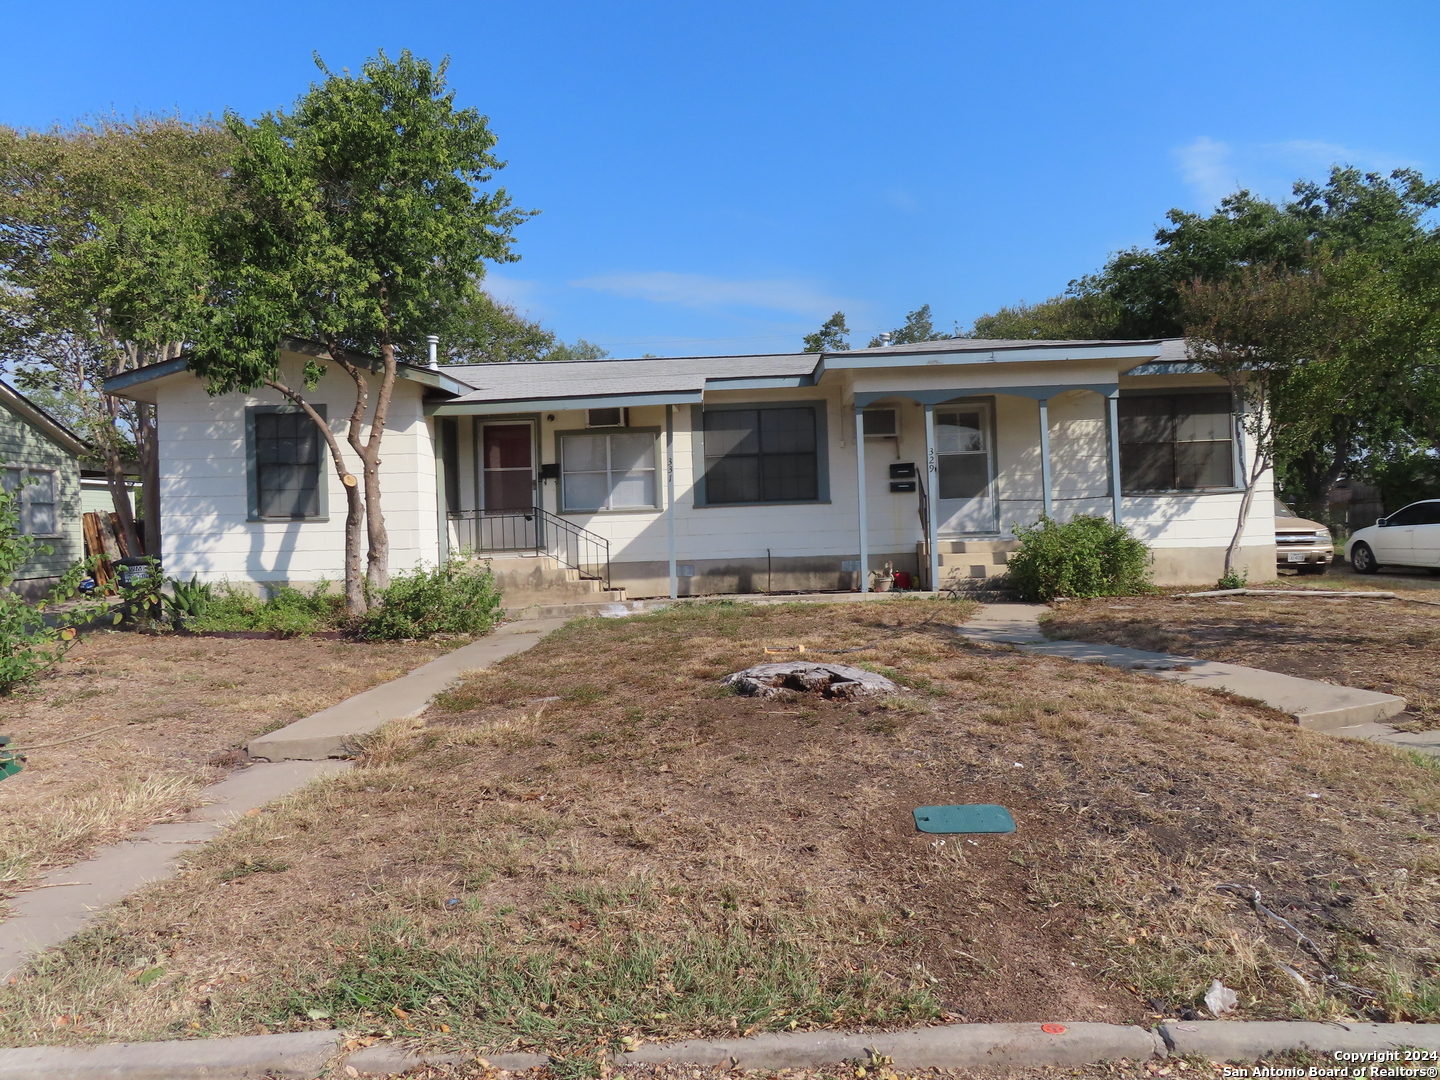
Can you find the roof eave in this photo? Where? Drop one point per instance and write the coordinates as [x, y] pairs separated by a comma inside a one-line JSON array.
[[37, 417], [430, 378], [1137, 351]]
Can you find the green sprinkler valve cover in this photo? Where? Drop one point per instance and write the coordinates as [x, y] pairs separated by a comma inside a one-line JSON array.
[[9, 761], [973, 818]]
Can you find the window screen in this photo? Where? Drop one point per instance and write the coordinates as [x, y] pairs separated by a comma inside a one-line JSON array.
[[287, 465], [1176, 442], [608, 472], [36, 492], [761, 455]]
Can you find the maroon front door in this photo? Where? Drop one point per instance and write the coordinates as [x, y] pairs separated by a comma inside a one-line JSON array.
[[507, 466]]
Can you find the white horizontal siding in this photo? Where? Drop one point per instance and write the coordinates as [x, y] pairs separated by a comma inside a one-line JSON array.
[[203, 487]]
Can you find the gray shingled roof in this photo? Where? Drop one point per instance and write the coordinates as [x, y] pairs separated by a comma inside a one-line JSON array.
[[595, 378], [989, 345]]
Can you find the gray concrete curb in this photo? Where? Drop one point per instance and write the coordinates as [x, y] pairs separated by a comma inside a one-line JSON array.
[[1241, 1040], [299, 1055], [305, 1055], [955, 1046]]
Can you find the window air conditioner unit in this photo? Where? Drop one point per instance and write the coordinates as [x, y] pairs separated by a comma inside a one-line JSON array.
[[880, 424], [607, 417]]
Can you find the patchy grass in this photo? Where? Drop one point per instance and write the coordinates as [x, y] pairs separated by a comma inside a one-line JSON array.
[[184, 708], [585, 842], [1392, 646]]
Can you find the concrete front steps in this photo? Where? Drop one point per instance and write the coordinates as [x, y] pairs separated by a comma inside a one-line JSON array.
[[968, 564], [538, 587]]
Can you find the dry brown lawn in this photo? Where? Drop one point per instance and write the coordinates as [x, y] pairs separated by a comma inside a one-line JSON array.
[[184, 706], [591, 840], [1392, 646]]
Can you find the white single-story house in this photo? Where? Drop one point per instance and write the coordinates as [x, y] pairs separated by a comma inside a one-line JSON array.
[[723, 474], [40, 466]]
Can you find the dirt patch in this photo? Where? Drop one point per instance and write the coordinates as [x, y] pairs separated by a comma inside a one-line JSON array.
[[1391, 646], [594, 839], [180, 710]]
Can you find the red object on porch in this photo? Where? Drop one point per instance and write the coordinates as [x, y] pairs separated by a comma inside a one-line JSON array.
[[902, 579]]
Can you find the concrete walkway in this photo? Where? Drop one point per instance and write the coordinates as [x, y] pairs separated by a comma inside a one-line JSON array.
[[332, 732], [65, 901], [1318, 706]]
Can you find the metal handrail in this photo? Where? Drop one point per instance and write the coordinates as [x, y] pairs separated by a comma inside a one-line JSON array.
[[534, 529]]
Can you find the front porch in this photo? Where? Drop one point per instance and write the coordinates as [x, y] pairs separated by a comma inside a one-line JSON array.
[[989, 461]]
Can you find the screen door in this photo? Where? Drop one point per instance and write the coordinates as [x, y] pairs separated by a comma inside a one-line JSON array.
[[963, 451]]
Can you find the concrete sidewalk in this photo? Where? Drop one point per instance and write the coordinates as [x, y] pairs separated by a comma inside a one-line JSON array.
[[1318, 706], [332, 732], [66, 901]]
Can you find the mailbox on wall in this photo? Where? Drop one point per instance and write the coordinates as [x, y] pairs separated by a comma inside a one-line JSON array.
[[902, 470], [902, 485]]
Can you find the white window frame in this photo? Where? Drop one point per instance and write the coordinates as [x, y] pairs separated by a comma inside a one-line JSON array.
[[26, 492], [607, 435]]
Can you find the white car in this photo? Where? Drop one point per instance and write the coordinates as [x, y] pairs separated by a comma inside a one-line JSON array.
[[1408, 537]]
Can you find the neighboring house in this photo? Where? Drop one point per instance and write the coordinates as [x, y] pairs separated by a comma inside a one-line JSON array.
[[40, 459], [727, 473]]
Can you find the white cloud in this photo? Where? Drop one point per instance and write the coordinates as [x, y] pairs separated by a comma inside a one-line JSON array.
[[1214, 169], [700, 291], [1205, 166], [521, 294]]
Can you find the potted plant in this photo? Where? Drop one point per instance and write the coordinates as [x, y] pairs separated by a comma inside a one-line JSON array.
[[883, 580]]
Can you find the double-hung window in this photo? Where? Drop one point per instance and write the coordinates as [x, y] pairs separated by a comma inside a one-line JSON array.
[[610, 471], [35, 489], [287, 459], [1176, 442], [765, 454]]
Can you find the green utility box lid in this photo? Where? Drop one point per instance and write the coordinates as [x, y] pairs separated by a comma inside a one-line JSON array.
[[976, 817], [9, 761]]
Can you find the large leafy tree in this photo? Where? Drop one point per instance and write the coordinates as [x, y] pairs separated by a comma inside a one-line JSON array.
[[103, 265], [358, 220], [1369, 229], [1275, 336]]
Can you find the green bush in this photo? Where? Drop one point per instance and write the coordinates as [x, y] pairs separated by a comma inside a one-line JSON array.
[[1087, 556], [286, 610], [29, 642], [456, 598]]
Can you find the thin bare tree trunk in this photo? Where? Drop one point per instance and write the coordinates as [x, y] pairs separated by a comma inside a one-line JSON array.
[[355, 602], [377, 569], [147, 446]]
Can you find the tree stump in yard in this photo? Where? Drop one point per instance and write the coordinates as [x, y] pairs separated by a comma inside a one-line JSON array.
[[806, 677]]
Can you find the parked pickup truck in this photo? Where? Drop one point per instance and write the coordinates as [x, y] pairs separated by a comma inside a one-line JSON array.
[[1301, 545]]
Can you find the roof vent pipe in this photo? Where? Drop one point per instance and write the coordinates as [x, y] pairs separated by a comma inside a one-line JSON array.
[[885, 340], [434, 340]]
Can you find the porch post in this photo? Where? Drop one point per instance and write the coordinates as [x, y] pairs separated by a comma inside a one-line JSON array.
[[1112, 413], [1045, 457], [932, 476], [670, 495], [442, 538], [860, 497]]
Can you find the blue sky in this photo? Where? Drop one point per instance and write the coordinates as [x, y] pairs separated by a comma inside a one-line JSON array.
[[719, 177]]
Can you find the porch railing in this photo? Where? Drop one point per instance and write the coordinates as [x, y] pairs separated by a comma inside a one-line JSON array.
[[488, 532]]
